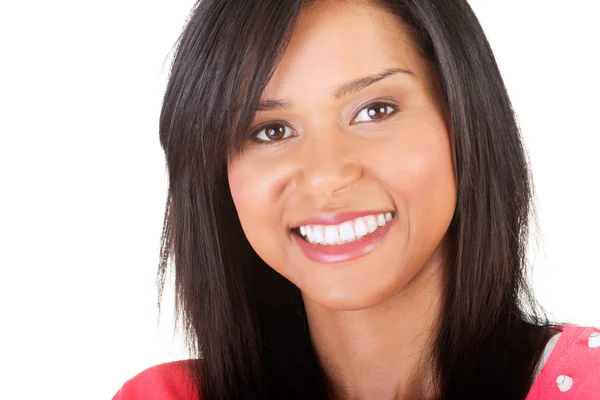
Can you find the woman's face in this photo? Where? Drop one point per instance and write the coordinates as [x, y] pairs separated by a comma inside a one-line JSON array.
[[351, 131]]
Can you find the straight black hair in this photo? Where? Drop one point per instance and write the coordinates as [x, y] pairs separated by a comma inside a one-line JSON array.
[[245, 324]]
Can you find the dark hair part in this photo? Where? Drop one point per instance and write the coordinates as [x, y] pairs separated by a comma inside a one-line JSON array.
[[245, 323]]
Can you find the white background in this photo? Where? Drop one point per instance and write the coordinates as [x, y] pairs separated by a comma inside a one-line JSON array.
[[83, 181]]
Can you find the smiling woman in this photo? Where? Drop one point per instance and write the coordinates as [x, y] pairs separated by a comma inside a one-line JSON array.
[[348, 211], [347, 150]]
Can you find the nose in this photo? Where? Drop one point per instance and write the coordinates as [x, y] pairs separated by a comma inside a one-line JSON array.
[[328, 165]]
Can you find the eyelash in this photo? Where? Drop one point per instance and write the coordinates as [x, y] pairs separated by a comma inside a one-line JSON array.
[[262, 128]]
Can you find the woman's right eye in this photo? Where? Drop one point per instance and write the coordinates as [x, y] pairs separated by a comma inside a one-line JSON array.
[[272, 133]]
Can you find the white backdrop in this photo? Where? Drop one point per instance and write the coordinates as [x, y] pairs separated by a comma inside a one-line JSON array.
[[83, 181]]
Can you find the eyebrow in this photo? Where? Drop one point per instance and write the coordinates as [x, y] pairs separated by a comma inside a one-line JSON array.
[[345, 89]]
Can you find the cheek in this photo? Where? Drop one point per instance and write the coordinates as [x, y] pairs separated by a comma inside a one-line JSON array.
[[256, 192], [422, 181], [251, 194]]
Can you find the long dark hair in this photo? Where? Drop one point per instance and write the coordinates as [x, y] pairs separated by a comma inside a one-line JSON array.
[[244, 323]]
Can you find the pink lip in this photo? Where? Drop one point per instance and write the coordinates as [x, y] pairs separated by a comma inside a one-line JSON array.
[[338, 218], [344, 252]]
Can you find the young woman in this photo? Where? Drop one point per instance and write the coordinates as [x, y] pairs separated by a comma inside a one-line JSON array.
[[348, 211]]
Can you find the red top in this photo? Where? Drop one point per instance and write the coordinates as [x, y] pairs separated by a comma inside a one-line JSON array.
[[572, 372], [161, 382]]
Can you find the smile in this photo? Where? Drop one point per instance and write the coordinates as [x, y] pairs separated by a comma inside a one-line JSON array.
[[346, 232], [346, 241]]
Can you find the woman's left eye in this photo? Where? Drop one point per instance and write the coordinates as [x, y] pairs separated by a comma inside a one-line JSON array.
[[375, 112]]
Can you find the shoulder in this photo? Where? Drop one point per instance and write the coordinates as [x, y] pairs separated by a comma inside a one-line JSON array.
[[168, 381], [572, 370]]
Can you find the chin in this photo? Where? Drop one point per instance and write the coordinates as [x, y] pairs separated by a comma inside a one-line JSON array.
[[348, 298]]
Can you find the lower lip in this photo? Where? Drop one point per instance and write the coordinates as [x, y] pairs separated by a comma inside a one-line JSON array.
[[347, 251]]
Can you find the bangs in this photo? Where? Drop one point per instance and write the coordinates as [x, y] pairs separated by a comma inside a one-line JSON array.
[[219, 72]]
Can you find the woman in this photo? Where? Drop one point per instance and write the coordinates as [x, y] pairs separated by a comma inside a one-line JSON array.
[[348, 211]]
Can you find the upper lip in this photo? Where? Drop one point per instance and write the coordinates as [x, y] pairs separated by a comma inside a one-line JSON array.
[[338, 218]]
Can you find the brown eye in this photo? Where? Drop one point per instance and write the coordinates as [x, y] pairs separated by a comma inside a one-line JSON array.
[[272, 133], [275, 132], [375, 112]]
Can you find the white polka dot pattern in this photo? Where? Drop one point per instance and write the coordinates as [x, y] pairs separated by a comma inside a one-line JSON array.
[[564, 383], [572, 370]]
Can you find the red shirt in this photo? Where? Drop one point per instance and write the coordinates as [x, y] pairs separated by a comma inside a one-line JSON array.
[[572, 372]]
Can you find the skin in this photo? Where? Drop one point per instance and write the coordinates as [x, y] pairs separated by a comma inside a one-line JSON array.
[[372, 320]]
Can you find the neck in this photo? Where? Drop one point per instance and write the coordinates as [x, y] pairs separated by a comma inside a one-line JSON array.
[[383, 352]]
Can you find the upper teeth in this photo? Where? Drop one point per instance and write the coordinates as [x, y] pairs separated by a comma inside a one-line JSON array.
[[346, 231]]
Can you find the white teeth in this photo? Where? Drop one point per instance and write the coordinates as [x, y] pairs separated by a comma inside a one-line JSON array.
[[371, 223], [360, 228], [346, 232], [318, 234], [331, 234], [309, 234]]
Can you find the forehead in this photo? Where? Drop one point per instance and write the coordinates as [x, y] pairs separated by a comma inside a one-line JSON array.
[[337, 41]]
